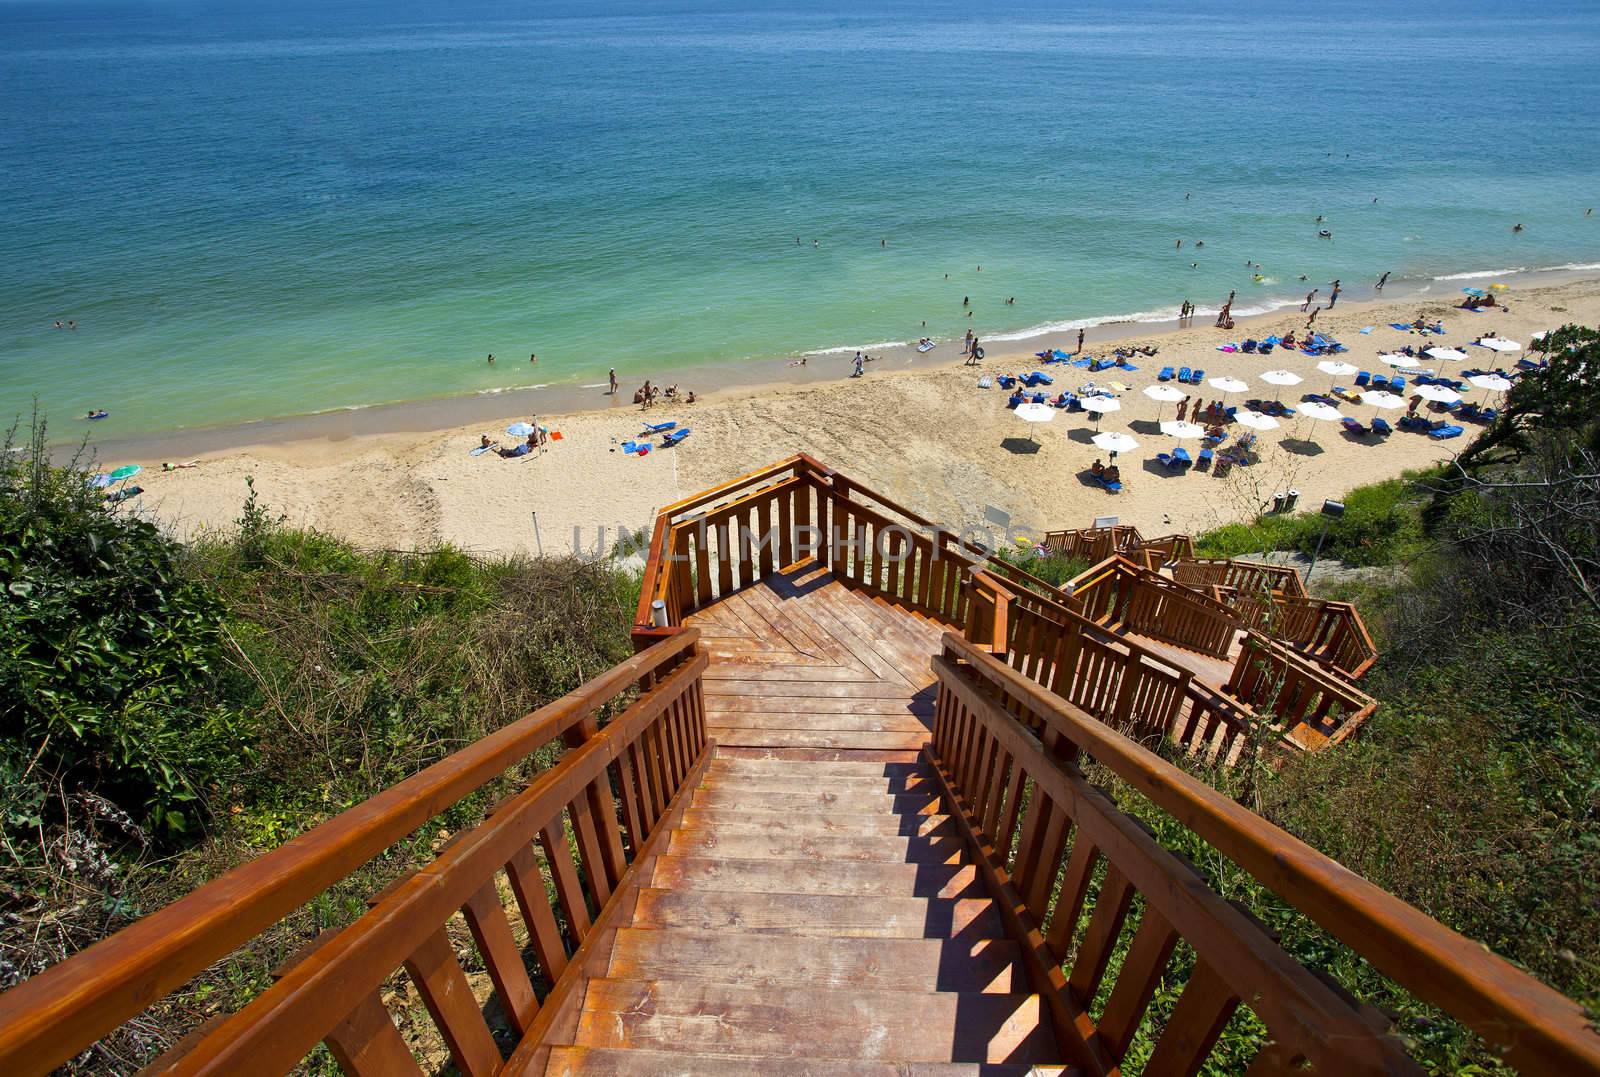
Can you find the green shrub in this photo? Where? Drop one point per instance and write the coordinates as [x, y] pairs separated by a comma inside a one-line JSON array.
[[108, 654]]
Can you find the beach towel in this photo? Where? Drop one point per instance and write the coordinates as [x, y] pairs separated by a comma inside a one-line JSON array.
[[927, 347], [1227, 347], [480, 450], [555, 435], [986, 382], [1366, 329], [1082, 362], [1400, 326]]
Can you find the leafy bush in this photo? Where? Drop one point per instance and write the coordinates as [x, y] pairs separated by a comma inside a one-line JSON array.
[[1381, 525], [108, 655]]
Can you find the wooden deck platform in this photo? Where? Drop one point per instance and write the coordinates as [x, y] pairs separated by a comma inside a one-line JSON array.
[[801, 661]]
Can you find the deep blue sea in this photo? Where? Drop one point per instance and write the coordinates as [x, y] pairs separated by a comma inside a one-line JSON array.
[[260, 209]]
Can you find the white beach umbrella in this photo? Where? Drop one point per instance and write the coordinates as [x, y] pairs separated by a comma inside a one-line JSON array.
[[1335, 369], [1385, 401], [1183, 430], [1115, 441], [1227, 385], [1492, 382], [1100, 405], [1164, 394], [1439, 394], [1281, 377], [1315, 409], [1500, 344], [1035, 413], [1446, 353], [1255, 420], [1397, 359]]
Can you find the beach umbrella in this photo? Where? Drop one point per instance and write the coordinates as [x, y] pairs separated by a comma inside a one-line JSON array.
[[1439, 394], [1499, 344], [1227, 385], [520, 430], [1164, 394], [1281, 377], [100, 481], [1382, 400], [1255, 420], [1035, 413], [1183, 430], [1476, 292], [125, 472], [1490, 383], [1446, 353], [1316, 409], [1100, 405], [1115, 441], [1336, 370]]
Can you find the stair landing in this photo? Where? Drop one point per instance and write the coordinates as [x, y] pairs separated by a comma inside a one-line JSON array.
[[801, 661]]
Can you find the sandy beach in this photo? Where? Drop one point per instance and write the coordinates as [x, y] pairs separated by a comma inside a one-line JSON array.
[[916, 427]]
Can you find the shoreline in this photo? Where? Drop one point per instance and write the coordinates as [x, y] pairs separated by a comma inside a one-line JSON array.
[[924, 433], [822, 366]]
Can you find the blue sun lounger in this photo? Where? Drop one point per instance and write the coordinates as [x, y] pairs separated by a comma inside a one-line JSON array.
[[1183, 375], [657, 428], [1165, 375], [674, 437]]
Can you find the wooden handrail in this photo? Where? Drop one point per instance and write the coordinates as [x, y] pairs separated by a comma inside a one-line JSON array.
[[1538, 1029], [49, 1018]]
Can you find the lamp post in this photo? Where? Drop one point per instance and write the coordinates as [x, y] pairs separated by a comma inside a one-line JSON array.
[[1331, 510]]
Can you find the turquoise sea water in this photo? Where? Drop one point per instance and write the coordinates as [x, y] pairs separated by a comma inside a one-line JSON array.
[[257, 210]]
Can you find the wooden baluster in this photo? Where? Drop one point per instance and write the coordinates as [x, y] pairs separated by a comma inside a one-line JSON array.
[[742, 523], [995, 799], [1198, 1019], [447, 995], [724, 560], [764, 537], [594, 870], [1005, 834], [660, 789], [486, 919], [1137, 981], [564, 873], [786, 543], [1105, 924], [632, 814], [365, 1042], [702, 563], [894, 555], [1036, 891], [648, 812], [1074, 892], [527, 884]]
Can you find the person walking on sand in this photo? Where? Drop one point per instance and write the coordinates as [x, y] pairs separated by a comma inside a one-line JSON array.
[[612, 378], [1312, 294], [1313, 319], [1183, 409], [1333, 297], [1080, 343], [1383, 280]]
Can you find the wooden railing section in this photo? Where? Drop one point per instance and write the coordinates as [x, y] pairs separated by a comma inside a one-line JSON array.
[[1132, 689], [1331, 633], [1315, 708], [712, 545], [1249, 577], [1119, 594], [1066, 865], [576, 829], [1098, 543]]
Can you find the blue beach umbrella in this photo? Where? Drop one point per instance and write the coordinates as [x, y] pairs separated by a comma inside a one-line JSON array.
[[100, 481], [1478, 293], [520, 430]]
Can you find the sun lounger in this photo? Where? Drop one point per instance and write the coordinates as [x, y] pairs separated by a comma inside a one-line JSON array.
[[1123, 364], [1397, 384], [1380, 382], [1205, 459], [1363, 379], [1354, 427], [1381, 427], [674, 437], [657, 428], [1006, 381], [1183, 375], [986, 382], [1165, 375], [1447, 432], [1181, 455], [1197, 377]]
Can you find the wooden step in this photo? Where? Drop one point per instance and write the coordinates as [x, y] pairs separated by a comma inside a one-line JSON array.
[[851, 802], [848, 723], [609, 1062], [818, 914], [723, 764], [946, 848], [813, 1022], [821, 822], [863, 879], [804, 738], [797, 687], [818, 783], [816, 755], [801, 705], [770, 961]]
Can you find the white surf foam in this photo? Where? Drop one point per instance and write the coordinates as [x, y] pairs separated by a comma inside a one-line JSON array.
[[853, 348], [1474, 275]]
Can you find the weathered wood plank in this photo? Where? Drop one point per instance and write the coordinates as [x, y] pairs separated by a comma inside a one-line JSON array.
[[802, 877], [818, 914]]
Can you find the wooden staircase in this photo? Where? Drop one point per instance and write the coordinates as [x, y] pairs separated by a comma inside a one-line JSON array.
[[811, 916]]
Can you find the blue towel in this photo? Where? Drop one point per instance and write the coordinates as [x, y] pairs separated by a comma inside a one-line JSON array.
[[1398, 325], [1365, 330]]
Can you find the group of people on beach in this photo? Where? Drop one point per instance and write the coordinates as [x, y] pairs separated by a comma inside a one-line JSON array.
[[649, 395]]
